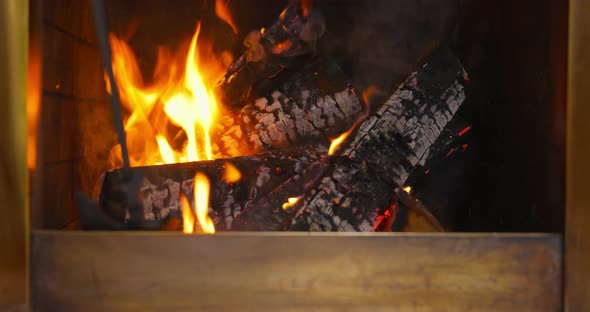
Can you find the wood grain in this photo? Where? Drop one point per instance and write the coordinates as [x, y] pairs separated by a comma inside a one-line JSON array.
[[577, 243], [13, 158], [107, 271]]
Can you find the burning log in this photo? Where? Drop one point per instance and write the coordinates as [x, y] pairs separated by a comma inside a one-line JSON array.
[[287, 44], [315, 104], [283, 121], [300, 189], [358, 189], [162, 185]]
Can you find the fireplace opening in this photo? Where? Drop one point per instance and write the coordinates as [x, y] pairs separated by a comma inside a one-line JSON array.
[[304, 116]]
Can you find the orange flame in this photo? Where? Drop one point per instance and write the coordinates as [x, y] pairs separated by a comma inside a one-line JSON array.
[[179, 92], [336, 142], [290, 202], [231, 174], [222, 12], [165, 149], [188, 217], [200, 214], [33, 101], [408, 189], [201, 192]]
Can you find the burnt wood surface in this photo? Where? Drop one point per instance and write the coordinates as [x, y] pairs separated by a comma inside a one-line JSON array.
[[162, 185], [315, 105], [272, 53], [357, 191]]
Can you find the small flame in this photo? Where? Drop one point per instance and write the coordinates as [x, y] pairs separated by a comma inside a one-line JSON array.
[[222, 12], [188, 217], [338, 141], [368, 93], [408, 189], [201, 192], [290, 202], [231, 174]]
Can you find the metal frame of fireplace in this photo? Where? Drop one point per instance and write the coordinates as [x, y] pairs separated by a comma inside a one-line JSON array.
[[71, 271]]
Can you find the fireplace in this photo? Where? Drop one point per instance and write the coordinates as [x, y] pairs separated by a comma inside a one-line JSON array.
[[522, 159], [500, 67]]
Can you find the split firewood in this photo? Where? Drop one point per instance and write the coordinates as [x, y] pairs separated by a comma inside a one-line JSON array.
[[316, 104], [162, 185], [356, 192], [272, 53]]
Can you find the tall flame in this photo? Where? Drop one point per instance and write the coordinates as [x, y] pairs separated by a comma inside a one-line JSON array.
[[200, 214], [178, 93], [195, 105]]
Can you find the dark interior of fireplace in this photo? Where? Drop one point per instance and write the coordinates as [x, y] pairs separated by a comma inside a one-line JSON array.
[[506, 173]]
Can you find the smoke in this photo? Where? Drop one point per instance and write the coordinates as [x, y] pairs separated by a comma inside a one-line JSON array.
[[379, 42]]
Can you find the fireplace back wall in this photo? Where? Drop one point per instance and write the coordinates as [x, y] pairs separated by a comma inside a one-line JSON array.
[[515, 54]]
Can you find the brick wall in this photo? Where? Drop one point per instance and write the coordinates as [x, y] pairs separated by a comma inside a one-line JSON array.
[[74, 110]]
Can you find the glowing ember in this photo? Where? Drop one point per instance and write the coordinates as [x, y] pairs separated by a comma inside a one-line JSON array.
[[408, 189], [188, 217], [223, 13], [338, 141], [281, 47], [290, 202], [465, 130], [201, 192], [231, 174]]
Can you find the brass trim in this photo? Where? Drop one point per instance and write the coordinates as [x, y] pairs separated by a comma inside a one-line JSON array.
[[160, 271], [577, 241]]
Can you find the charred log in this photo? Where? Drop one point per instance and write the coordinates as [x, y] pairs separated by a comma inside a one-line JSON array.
[[272, 53], [316, 104], [353, 191], [357, 191], [162, 185]]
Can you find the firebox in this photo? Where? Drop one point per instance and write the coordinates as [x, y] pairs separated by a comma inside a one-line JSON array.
[[228, 154], [496, 159]]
